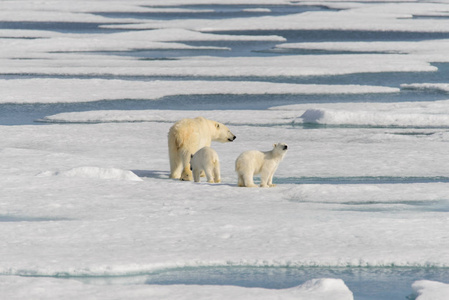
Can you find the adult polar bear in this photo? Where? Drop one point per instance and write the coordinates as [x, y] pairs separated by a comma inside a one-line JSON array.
[[187, 136]]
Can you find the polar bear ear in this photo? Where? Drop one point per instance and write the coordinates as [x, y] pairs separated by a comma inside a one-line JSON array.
[[217, 125]]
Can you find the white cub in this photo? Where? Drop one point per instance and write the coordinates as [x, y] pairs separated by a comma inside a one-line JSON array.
[[206, 159], [254, 162]]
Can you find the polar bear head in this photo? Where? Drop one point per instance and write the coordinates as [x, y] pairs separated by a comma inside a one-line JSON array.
[[280, 149], [221, 133]]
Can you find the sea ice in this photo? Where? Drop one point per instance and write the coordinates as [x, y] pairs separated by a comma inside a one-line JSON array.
[[62, 90], [95, 173], [428, 290], [95, 200], [35, 288]]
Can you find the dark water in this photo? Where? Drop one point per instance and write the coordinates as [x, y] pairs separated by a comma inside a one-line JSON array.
[[32, 114], [218, 11], [387, 283], [365, 283]]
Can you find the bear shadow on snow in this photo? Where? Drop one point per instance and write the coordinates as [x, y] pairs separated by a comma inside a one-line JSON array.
[[151, 173]]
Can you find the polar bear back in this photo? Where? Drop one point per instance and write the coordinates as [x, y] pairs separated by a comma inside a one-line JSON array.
[[193, 134], [254, 162], [251, 160], [204, 158]]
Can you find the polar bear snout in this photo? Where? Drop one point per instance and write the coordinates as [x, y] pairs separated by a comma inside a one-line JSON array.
[[232, 138], [280, 147]]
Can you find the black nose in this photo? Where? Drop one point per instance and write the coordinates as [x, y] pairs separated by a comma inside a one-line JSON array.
[[285, 147], [234, 137]]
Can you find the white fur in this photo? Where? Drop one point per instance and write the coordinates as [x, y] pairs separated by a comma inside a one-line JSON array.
[[186, 137], [254, 162], [206, 159]]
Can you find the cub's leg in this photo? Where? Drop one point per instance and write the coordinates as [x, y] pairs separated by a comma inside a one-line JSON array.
[[217, 178], [209, 175], [196, 175], [248, 180]]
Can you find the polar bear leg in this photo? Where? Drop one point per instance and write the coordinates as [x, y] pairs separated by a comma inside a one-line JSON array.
[[209, 175], [185, 159], [265, 178], [270, 179], [196, 175], [240, 180], [248, 180], [175, 169], [175, 161], [216, 171]]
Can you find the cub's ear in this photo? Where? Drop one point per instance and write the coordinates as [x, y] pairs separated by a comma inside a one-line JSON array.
[[274, 145], [217, 125]]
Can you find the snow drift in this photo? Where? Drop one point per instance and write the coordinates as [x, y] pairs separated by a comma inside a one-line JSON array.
[[95, 172], [366, 118]]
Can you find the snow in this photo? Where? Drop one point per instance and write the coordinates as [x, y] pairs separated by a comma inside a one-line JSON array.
[[216, 224], [368, 118], [440, 87], [427, 290], [361, 16], [122, 41], [88, 194], [429, 50], [406, 114], [38, 288], [61, 90], [96, 173], [321, 65]]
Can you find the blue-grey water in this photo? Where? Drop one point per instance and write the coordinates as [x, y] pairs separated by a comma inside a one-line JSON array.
[[388, 283], [366, 283]]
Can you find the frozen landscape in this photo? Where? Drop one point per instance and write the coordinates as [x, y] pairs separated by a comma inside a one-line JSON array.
[[357, 89]]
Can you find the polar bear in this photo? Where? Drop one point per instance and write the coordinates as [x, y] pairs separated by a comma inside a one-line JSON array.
[[254, 162], [206, 159], [187, 136]]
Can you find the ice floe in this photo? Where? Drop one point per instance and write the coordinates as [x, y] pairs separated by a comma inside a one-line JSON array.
[[62, 90], [26, 287], [427, 290]]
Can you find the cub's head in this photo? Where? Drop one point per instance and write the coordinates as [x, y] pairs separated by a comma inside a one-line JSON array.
[[222, 133], [280, 148]]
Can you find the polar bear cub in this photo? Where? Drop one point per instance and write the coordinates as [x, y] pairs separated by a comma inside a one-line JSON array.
[[206, 159], [254, 162]]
